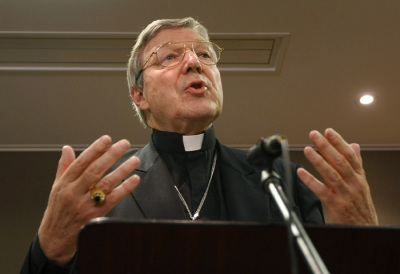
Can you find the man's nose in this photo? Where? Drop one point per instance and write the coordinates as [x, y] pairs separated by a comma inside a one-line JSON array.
[[191, 60]]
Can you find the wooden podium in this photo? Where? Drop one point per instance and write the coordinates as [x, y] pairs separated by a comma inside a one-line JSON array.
[[120, 246]]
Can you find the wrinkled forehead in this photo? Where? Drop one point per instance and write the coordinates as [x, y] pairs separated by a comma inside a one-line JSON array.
[[169, 35]]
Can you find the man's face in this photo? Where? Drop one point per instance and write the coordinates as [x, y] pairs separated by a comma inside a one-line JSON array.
[[185, 98]]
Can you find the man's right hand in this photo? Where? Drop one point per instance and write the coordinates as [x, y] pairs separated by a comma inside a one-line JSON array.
[[70, 205]]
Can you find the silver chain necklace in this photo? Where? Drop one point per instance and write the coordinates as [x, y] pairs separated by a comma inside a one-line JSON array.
[[196, 214]]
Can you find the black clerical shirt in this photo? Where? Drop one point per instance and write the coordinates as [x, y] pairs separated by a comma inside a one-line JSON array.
[[191, 171]]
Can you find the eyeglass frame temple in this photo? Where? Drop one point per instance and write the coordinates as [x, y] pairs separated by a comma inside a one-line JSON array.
[[145, 63]]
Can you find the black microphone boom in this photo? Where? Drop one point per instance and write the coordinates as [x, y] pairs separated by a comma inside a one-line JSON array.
[[265, 151]]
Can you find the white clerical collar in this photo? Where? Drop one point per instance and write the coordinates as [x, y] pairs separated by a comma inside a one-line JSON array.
[[193, 142]]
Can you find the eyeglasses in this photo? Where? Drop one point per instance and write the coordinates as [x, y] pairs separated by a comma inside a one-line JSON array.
[[172, 53]]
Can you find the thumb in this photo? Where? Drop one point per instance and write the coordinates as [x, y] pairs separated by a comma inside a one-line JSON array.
[[67, 157]]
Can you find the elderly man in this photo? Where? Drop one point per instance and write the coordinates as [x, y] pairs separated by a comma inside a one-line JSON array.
[[185, 172]]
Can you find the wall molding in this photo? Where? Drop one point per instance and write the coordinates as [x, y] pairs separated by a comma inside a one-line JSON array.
[[109, 51]]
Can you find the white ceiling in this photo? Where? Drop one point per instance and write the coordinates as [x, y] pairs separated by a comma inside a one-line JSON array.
[[337, 51]]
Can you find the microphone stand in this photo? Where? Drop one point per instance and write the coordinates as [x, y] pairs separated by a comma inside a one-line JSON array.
[[263, 154], [270, 181]]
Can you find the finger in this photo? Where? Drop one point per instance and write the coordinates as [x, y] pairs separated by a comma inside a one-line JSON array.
[[97, 168], [89, 155], [330, 175], [336, 160], [357, 151], [109, 182], [319, 189], [344, 149], [123, 190], [67, 157]]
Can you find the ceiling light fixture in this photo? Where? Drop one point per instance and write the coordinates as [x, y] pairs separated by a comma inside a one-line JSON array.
[[366, 99]]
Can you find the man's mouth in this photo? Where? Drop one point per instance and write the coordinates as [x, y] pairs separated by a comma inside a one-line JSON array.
[[197, 87]]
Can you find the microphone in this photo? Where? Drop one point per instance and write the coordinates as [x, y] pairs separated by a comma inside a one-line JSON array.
[[265, 151]]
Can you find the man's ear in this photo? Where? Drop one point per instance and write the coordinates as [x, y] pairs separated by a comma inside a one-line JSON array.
[[138, 98]]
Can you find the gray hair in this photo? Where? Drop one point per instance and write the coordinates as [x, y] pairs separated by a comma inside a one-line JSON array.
[[134, 64]]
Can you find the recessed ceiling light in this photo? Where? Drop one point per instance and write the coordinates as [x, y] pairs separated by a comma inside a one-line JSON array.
[[366, 99]]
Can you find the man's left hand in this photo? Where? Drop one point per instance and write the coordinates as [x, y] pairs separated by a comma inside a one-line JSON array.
[[346, 194]]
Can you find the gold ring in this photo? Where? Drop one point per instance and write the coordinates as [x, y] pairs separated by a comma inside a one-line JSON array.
[[97, 195]]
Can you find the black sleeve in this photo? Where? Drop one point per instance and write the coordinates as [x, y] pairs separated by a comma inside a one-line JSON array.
[[307, 204], [36, 262]]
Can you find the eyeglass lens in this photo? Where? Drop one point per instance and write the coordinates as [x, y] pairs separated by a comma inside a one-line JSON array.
[[172, 53]]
